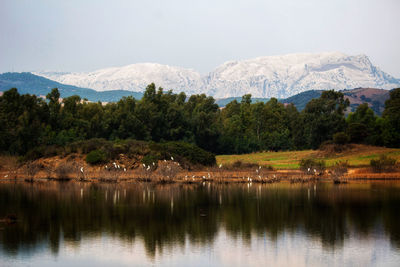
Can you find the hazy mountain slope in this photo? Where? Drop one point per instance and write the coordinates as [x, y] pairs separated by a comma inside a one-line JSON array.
[[375, 98], [28, 83], [300, 100]]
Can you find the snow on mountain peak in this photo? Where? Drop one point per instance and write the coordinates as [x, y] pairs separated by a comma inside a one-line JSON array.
[[268, 76], [134, 77]]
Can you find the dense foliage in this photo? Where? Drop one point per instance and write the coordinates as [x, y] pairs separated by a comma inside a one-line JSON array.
[[29, 123]]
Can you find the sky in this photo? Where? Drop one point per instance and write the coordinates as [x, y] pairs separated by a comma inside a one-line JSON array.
[[86, 35]]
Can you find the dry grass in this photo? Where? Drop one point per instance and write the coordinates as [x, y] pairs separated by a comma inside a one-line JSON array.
[[355, 156]]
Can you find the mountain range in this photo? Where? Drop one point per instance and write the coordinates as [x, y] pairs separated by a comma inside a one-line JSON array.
[[28, 83], [262, 77]]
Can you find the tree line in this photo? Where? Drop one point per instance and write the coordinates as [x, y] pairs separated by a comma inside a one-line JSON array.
[[27, 122]]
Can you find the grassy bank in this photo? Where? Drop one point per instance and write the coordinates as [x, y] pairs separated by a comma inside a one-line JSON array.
[[235, 168], [355, 155]]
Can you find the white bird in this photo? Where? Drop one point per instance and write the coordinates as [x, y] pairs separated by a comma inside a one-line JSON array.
[[106, 167], [204, 177], [148, 167], [220, 166], [259, 167], [154, 164], [124, 169], [118, 167], [315, 170], [144, 165], [165, 160], [308, 169], [81, 169], [172, 158], [5, 176]]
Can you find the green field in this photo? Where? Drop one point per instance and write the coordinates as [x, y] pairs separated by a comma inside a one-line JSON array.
[[357, 157]]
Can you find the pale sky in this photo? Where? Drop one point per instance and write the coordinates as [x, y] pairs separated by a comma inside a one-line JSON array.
[[85, 35]]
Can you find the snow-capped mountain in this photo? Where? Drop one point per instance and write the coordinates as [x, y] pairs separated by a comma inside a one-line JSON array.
[[133, 77], [271, 76]]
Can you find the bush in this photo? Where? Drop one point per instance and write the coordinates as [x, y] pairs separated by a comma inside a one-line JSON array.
[[87, 146], [340, 138], [309, 165], [32, 168], [383, 164], [168, 171], [340, 168], [149, 159], [63, 171], [182, 151], [96, 156], [243, 165]]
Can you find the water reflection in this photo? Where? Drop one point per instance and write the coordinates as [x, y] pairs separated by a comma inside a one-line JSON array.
[[279, 220]]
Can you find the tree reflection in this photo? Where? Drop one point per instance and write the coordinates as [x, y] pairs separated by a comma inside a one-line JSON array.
[[51, 213]]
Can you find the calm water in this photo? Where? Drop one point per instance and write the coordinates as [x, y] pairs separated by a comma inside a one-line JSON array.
[[72, 224]]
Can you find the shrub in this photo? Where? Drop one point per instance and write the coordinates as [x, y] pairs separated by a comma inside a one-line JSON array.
[[243, 165], [32, 168], [150, 160], [309, 165], [33, 154], [340, 138], [64, 170], [96, 156], [340, 168], [237, 164], [168, 171], [87, 146], [141, 148], [181, 151], [383, 164]]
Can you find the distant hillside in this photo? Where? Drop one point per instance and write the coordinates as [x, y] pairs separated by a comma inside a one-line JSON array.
[[222, 102], [374, 97], [28, 83], [301, 100]]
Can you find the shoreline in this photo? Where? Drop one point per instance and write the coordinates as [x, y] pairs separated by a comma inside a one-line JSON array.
[[200, 176]]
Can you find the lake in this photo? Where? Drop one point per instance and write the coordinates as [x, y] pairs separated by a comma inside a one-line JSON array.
[[208, 224]]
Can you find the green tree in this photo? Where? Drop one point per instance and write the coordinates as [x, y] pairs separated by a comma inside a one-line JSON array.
[[361, 125], [323, 117], [391, 116]]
